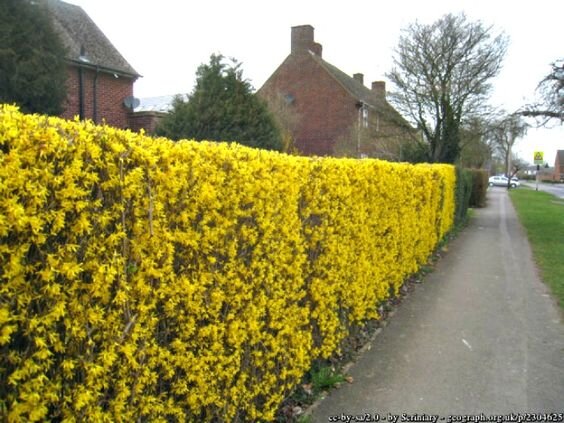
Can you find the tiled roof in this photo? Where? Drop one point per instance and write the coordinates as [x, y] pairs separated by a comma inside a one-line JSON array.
[[358, 90], [80, 34], [161, 103]]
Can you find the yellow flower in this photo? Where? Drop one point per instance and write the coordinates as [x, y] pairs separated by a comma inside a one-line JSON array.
[[190, 279]]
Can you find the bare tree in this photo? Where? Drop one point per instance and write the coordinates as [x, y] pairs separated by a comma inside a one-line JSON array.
[[502, 134], [551, 90], [442, 74], [476, 150]]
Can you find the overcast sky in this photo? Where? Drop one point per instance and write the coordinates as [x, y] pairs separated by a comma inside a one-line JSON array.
[[166, 40]]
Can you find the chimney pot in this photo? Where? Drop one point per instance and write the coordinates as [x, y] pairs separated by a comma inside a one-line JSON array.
[[359, 77], [379, 88], [317, 49]]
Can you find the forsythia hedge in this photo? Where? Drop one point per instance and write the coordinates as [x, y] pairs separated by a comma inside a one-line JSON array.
[[147, 280]]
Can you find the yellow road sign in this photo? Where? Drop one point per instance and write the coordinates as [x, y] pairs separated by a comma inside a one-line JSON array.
[[539, 157]]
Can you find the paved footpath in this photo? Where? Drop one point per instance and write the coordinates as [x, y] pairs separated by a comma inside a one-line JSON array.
[[481, 334]]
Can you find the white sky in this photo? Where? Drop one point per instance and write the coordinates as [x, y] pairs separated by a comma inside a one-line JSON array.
[[166, 40]]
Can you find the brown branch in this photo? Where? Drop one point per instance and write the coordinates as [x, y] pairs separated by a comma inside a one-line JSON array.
[[543, 113]]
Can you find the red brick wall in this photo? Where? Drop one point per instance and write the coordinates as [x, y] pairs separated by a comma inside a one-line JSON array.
[[326, 110], [147, 121], [110, 92]]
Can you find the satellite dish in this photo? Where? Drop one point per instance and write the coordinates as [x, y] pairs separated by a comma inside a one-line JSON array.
[[131, 102]]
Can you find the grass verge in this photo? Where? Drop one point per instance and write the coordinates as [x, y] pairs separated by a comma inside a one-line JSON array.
[[542, 215]]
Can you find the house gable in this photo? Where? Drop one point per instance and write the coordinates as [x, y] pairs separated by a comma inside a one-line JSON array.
[[98, 76], [330, 105], [325, 109]]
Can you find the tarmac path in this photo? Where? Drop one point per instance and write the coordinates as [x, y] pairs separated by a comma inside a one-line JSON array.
[[481, 334]]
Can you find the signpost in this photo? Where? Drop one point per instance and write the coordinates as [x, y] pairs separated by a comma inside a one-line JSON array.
[[538, 158]]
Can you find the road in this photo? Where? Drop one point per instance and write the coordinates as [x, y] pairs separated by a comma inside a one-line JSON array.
[[481, 334], [554, 189]]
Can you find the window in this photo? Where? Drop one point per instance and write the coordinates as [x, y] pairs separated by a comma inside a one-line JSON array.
[[289, 99]]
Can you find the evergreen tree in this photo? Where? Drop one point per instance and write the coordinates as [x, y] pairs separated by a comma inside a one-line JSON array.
[[32, 58], [222, 107]]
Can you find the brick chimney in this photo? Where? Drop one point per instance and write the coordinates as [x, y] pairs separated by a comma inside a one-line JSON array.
[[317, 49], [359, 77], [379, 88], [302, 40]]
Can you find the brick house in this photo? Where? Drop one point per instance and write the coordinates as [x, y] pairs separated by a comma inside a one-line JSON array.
[[333, 113], [99, 78], [559, 166]]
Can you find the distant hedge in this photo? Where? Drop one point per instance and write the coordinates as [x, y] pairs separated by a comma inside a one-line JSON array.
[[479, 187], [463, 193], [147, 280], [471, 190]]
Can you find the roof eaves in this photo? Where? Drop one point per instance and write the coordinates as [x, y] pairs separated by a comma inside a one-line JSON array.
[[105, 69], [78, 30]]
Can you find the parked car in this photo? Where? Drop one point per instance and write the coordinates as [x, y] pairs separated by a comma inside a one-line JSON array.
[[501, 181]]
